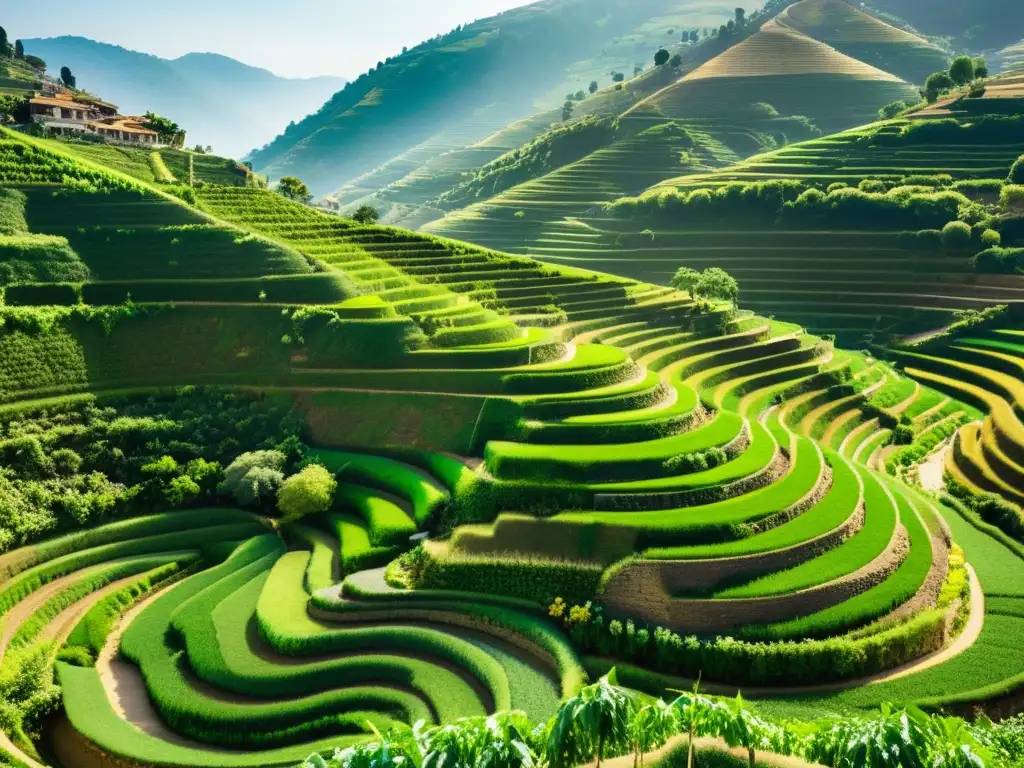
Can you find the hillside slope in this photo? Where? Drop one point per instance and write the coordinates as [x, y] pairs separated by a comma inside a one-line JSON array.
[[861, 36], [470, 82], [219, 101]]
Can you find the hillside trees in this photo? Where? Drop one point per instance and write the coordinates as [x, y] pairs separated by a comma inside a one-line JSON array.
[[293, 188], [5, 46], [366, 214], [961, 71], [168, 130], [306, 493], [661, 57], [716, 283]]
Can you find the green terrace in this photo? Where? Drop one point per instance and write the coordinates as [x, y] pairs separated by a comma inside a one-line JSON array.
[[490, 433]]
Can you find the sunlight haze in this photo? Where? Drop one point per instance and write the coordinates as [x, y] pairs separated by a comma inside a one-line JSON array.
[[300, 39]]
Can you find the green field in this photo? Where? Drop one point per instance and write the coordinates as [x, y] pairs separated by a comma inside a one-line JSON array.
[[276, 483]]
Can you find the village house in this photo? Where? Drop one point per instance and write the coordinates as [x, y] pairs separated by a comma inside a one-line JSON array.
[[64, 115]]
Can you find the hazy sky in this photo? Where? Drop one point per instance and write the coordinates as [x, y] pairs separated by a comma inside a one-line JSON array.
[[294, 38]]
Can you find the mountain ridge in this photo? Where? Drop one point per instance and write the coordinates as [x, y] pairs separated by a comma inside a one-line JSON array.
[[208, 93]]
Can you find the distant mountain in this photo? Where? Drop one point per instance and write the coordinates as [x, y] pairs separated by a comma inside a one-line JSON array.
[[218, 100], [475, 80]]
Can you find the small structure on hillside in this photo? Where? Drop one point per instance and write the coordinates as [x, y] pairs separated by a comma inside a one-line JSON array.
[[67, 115]]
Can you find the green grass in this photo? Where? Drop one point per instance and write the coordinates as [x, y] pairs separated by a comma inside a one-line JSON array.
[[857, 551], [387, 523]]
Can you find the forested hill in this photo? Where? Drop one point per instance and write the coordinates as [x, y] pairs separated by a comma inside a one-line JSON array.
[[220, 101], [480, 76]]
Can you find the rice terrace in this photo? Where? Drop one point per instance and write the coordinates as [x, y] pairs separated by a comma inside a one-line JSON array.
[[605, 383]]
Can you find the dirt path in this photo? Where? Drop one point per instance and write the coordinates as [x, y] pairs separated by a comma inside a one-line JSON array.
[[23, 610], [126, 690], [931, 470]]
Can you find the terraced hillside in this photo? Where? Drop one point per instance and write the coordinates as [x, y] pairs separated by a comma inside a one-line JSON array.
[[516, 474], [865, 38], [498, 67], [18, 78], [983, 369], [786, 258]]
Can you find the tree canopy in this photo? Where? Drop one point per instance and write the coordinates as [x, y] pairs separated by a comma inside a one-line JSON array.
[[661, 57], [716, 283], [366, 214], [307, 493], [593, 86], [294, 188], [67, 78], [168, 130], [961, 71]]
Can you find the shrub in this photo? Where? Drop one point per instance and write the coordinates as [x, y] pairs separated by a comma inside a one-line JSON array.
[[1012, 197], [990, 238], [956, 235], [1017, 171], [308, 492], [999, 260], [876, 186], [253, 477]]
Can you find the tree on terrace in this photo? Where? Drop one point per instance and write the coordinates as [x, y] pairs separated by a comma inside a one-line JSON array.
[[741, 17], [366, 214], [716, 283], [980, 67], [308, 492], [685, 278], [67, 78], [694, 35], [662, 57], [618, 77], [5, 46], [19, 49], [593, 86], [961, 71], [676, 61], [294, 188], [567, 110]]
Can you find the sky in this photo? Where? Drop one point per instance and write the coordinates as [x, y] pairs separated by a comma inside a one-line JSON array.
[[293, 38]]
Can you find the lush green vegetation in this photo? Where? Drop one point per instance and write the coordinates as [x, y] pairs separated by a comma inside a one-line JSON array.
[[275, 481]]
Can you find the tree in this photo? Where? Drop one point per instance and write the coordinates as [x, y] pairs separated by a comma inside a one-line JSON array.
[[891, 110], [961, 71], [676, 61], [618, 77], [685, 278], [253, 476], [938, 82], [4, 44], [35, 62], [591, 723], [741, 17], [980, 67], [294, 188], [579, 96], [19, 49], [652, 726], [567, 110], [67, 78], [167, 130], [308, 492], [594, 86], [366, 214], [716, 283], [745, 729], [661, 57], [694, 36]]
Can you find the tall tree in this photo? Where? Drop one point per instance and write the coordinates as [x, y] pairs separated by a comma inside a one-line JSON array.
[[293, 188], [19, 49], [67, 78], [741, 17], [661, 57], [593, 86], [961, 71], [4, 45]]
